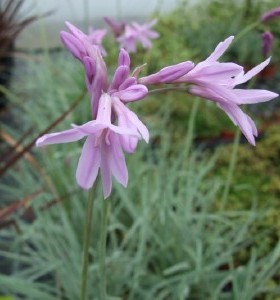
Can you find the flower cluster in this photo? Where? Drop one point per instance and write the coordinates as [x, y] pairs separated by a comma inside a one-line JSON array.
[[105, 141], [115, 129], [129, 35], [216, 81]]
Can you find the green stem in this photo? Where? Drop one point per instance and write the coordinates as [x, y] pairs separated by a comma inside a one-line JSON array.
[[191, 125], [245, 31], [231, 168], [102, 250], [87, 235]]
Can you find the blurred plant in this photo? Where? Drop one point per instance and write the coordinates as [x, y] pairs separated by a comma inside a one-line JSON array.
[[129, 35], [11, 25], [96, 36]]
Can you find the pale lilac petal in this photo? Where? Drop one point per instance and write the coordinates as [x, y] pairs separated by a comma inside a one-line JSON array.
[[132, 117], [144, 40], [128, 119], [244, 122], [128, 143], [127, 83], [224, 93], [90, 68], [204, 92], [253, 96], [123, 131], [245, 77], [216, 73], [124, 59], [88, 164], [76, 31], [132, 93], [120, 76], [117, 161], [171, 73], [151, 34], [67, 136], [91, 127], [220, 49], [151, 79], [75, 47]]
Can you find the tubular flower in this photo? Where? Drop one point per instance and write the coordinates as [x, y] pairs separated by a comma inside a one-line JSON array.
[[267, 41], [105, 141], [271, 14], [216, 81]]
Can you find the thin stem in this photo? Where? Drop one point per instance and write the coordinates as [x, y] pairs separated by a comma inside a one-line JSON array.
[[245, 31], [231, 168], [102, 250], [191, 125], [87, 235]]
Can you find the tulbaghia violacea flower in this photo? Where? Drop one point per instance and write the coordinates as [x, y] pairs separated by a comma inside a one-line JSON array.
[[102, 149], [96, 37], [135, 33], [216, 81], [105, 141], [267, 41], [117, 27], [270, 15]]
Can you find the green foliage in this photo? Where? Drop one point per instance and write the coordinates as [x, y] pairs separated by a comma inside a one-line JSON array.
[[168, 236]]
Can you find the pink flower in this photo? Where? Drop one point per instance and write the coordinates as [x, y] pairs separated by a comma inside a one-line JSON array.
[[103, 149], [138, 33], [96, 36], [271, 14], [123, 85], [216, 81]]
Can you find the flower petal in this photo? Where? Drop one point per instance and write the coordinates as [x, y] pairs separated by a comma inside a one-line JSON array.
[[127, 83], [243, 121], [117, 161], [66, 136], [124, 59], [75, 47], [241, 78], [220, 49], [215, 73], [88, 164], [132, 93], [171, 73], [119, 77], [253, 96]]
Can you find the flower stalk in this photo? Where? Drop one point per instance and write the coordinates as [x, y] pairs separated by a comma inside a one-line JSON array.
[[87, 235], [102, 250]]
